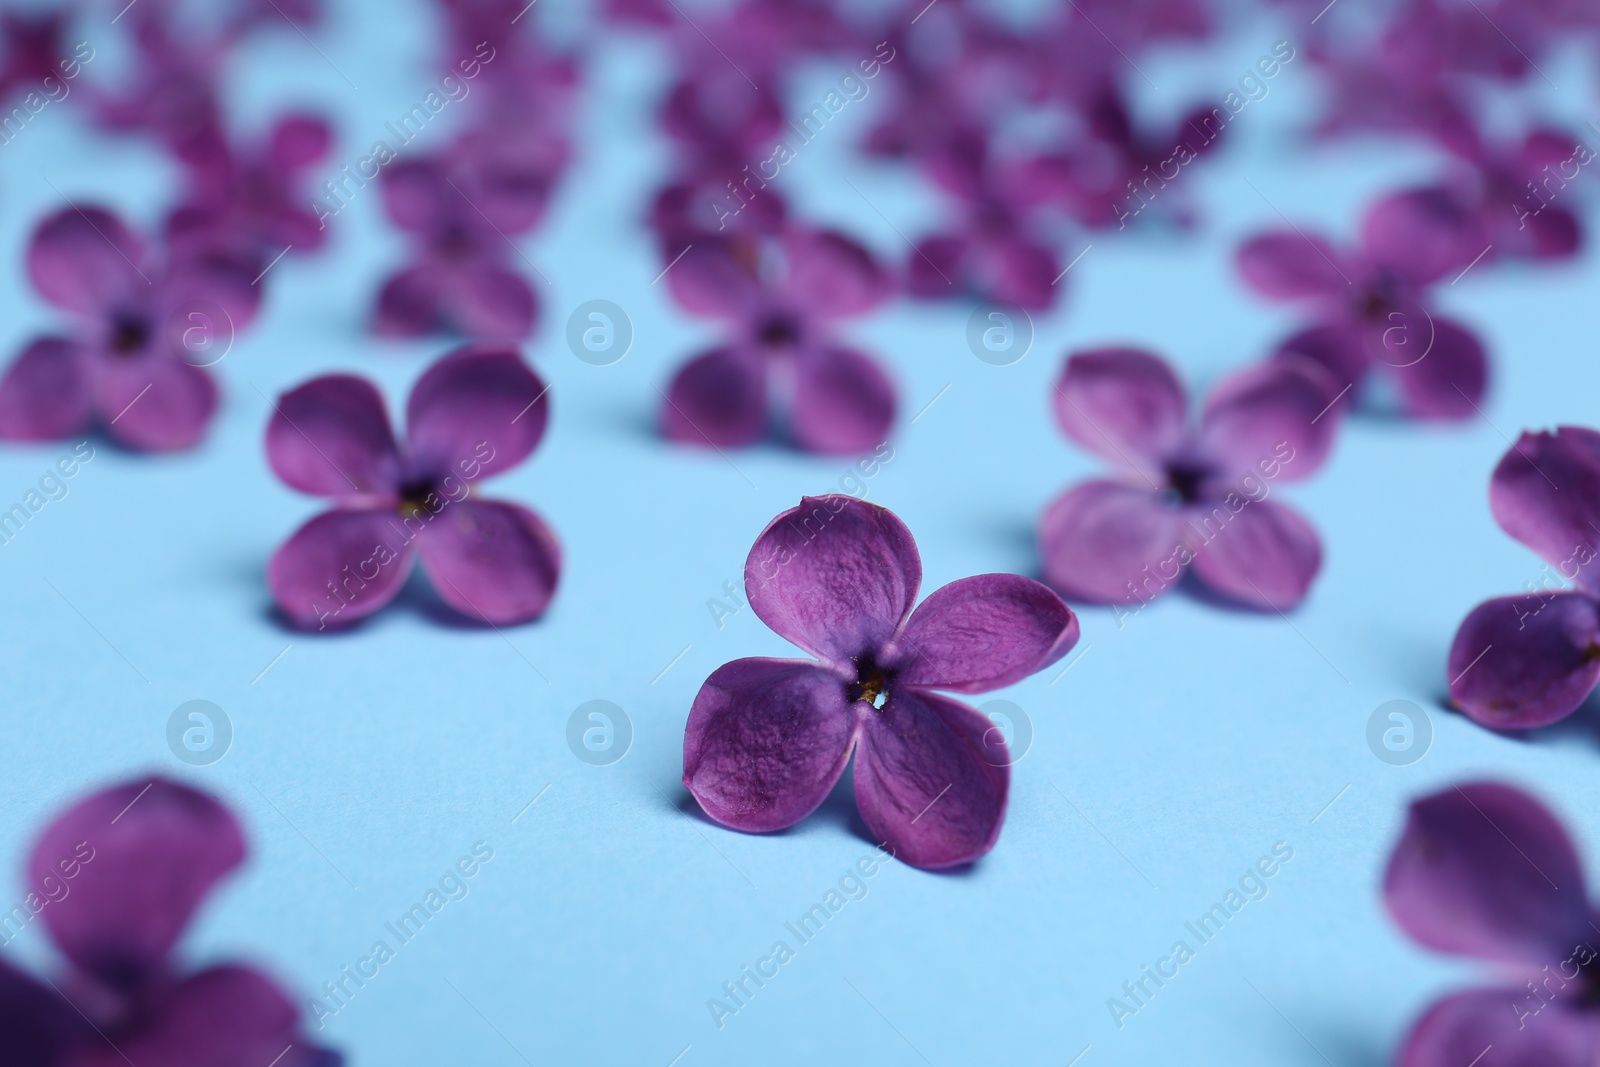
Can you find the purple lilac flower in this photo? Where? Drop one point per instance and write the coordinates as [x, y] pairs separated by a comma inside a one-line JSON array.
[[1524, 661], [779, 299], [172, 95], [253, 194], [1187, 496], [768, 738], [462, 214], [1371, 309], [34, 49], [477, 412], [1485, 871], [137, 861], [134, 311]]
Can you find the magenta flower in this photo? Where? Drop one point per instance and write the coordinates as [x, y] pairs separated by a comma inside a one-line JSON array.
[[172, 93], [1371, 306], [780, 299], [1187, 496], [33, 46], [477, 412], [461, 279], [1524, 661], [116, 879], [768, 738], [1483, 870], [255, 195], [143, 321]]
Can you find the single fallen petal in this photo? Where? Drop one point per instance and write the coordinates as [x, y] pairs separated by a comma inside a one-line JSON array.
[[1485, 870], [835, 575], [331, 437], [1264, 554], [140, 857], [1523, 661], [342, 565], [984, 632], [1545, 492], [1110, 543], [927, 783], [766, 741], [491, 560], [843, 401]]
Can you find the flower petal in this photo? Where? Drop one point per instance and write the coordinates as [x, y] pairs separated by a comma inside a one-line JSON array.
[[719, 398], [1421, 235], [1272, 416], [486, 300], [835, 575], [1450, 380], [1110, 543], [1122, 404], [1545, 492], [342, 566], [299, 139], [227, 1014], [934, 267], [926, 780], [85, 260], [843, 401], [715, 276], [1523, 661], [1485, 870], [144, 855], [1264, 555], [766, 741], [154, 403], [409, 303], [831, 275], [38, 1024], [45, 395], [984, 632], [1291, 266], [480, 407], [491, 560], [1337, 346], [1499, 1028], [331, 437], [417, 196]]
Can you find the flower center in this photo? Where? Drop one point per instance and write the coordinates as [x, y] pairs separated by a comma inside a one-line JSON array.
[[129, 335], [1185, 480], [779, 331], [414, 499], [871, 684]]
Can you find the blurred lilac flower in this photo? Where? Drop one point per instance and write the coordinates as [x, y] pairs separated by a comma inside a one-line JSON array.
[[33, 46], [138, 860], [1187, 496], [1371, 306], [477, 412], [130, 361], [768, 738], [462, 213], [1485, 871], [172, 94], [253, 195], [1524, 661], [779, 299], [994, 251]]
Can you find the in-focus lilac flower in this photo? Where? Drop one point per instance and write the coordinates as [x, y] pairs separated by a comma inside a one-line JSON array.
[[1187, 496], [1524, 661], [462, 213], [1371, 308], [116, 879], [1484, 870], [254, 194], [779, 299], [478, 411], [768, 738], [130, 363]]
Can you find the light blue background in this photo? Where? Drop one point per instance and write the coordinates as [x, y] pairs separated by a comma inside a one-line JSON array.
[[1172, 755]]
